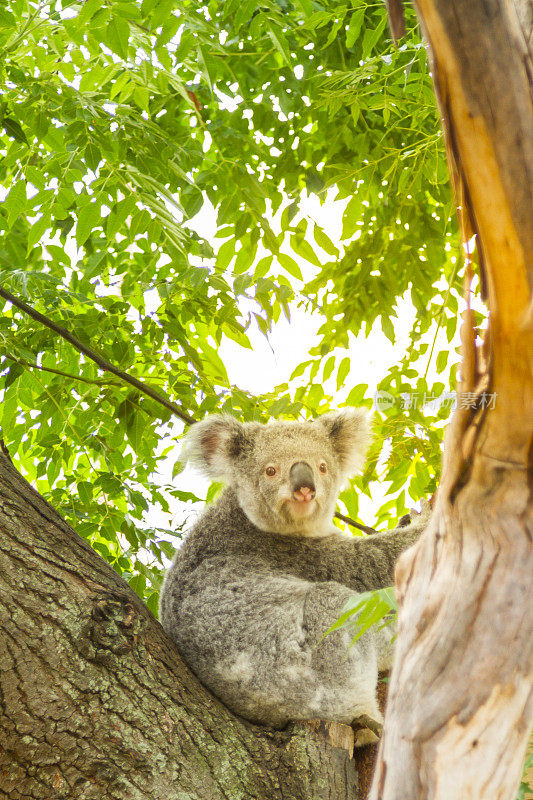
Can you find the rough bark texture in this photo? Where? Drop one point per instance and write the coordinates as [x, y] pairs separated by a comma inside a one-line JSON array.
[[461, 692], [96, 703]]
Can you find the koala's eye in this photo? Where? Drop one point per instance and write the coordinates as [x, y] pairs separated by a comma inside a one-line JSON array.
[[271, 471], [322, 467]]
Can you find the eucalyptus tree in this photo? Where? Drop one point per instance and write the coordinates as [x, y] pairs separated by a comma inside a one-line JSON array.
[[460, 708]]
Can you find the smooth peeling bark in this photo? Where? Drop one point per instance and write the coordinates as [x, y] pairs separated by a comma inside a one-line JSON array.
[[460, 703], [461, 695], [96, 703]]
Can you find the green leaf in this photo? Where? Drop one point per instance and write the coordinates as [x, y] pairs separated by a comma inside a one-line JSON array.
[[141, 95], [244, 13], [244, 260], [366, 609], [290, 265], [13, 128], [300, 369], [357, 394], [15, 202], [225, 253], [388, 328], [92, 156], [120, 213], [135, 427], [204, 59], [351, 217], [153, 604], [304, 249], [369, 617], [279, 41], [328, 368], [88, 218], [37, 230], [213, 492], [85, 491], [117, 36], [306, 6], [371, 37], [262, 267], [323, 241], [88, 10], [10, 410], [343, 371], [230, 6], [7, 20], [442, 360], [138, 584], [354, 27]]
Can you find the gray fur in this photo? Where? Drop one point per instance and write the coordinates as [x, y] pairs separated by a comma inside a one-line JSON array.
[[262, 575]]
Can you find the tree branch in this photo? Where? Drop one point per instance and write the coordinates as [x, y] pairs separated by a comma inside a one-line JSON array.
[[396, 18], [149, 728], [94, 356], [350, 521]]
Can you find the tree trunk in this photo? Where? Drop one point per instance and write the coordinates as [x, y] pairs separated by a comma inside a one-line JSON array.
[[461, 693], [95, 701]]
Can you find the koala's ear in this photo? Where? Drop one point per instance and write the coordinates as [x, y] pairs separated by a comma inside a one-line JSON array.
[[214, 444], [349, 431]]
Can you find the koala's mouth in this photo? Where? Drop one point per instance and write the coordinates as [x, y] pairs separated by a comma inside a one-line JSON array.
[[302, 510]]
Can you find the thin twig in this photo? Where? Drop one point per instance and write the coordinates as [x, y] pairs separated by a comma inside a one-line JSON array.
[[90, 353], [33, 365], [351, 521]]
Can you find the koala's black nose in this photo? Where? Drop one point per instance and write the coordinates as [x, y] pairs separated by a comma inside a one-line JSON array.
[[302, 481]]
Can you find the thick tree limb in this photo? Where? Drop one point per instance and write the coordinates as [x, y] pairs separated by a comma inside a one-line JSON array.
[[96, 702], [461, 691]]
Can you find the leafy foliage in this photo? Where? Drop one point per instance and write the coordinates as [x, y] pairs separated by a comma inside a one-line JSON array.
[[121, 122], [366, 609], [525, 788]]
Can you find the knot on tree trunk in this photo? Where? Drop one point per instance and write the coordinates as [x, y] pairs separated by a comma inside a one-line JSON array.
[[112, 628]]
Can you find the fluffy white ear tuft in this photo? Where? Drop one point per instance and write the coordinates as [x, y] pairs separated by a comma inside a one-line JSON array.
[[349, 430], [213, 444]]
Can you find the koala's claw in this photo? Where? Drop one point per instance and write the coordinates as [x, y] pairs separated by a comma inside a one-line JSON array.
[[426, 510], [366, 730]]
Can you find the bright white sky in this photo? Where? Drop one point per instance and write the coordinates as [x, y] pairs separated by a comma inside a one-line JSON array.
[[271, 362]]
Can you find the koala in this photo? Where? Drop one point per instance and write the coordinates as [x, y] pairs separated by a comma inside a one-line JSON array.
[[264, 573]]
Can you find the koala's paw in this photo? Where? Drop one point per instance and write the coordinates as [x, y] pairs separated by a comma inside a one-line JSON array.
[[420, 519], [366, 730], [425, 512]]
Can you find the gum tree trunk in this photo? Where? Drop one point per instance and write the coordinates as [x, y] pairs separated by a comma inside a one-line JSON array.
[[461, 693], [95, 701]]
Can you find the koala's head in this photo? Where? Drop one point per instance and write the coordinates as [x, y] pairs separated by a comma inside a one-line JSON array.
[[286, 475]]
